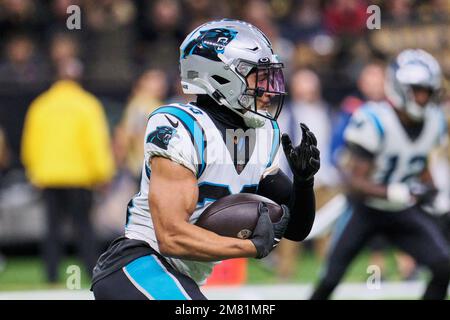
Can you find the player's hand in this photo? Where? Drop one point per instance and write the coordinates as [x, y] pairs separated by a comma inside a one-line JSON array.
[[304, 160], [423, 193], [267, 235], [280, 227], [411, 193]]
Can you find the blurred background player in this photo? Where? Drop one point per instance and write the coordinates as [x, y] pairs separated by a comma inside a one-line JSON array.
[[388, 176], [66, 153], [370, 83]]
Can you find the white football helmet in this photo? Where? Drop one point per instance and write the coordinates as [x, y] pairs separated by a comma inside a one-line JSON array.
[[413, 68], [217, 57]]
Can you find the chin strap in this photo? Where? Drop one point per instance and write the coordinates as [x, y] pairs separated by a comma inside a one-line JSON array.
[[251, 119]]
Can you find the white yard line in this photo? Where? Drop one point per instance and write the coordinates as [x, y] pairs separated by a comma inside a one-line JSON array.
[[387, 290]]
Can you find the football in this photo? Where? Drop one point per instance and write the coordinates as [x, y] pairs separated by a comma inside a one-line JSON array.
[[236, 215]]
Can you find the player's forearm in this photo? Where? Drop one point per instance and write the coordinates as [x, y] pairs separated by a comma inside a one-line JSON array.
[[300, 199], [191, 242], [303, 207], [362, 188]]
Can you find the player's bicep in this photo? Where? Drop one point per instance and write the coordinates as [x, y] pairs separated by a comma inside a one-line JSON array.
[[166, 137], [173, 194]]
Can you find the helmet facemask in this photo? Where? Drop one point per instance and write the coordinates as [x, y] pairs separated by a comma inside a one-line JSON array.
[[265, 88], [413, 70], [414, 108]]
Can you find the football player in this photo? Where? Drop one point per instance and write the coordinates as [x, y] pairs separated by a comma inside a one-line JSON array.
[[226, 142], [388, 175]]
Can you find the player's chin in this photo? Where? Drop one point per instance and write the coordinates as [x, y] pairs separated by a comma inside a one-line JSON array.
[[263, 107]]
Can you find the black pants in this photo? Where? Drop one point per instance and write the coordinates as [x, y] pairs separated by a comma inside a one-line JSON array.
[[412, 230], [148, 277], [77, 204]]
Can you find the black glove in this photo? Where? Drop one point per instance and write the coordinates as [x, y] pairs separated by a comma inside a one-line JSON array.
[[304, 160], [280, 227], [423, 193], [267, 235]]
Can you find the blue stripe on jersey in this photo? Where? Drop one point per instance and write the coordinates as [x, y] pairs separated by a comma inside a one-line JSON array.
[[209, 191], [372, 115], [275, 142], [195, 131], [249, 188], [147, 171], [153, 277], [129, 206]]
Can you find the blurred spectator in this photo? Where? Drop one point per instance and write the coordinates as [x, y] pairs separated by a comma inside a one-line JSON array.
[[4, 153], [22, 65], [346, 17], [4, 163], [161, 32], [307, 106], [22, 17], [149, 93], [63, 49], [260, 14], [66, 152], [371, 88], [58, 11], [110, 24], [201, 11], [399, 12], [435, 11], [304, 22]]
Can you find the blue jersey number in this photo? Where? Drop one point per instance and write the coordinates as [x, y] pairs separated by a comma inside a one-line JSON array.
[[416, 165]]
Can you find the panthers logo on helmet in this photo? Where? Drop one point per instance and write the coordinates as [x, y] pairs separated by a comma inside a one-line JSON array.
[[210, 43], [161, 136]]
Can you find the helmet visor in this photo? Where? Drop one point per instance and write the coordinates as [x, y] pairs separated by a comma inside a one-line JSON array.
[[265, 88]]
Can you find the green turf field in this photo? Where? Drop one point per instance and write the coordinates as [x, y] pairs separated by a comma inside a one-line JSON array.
[[27, 273]]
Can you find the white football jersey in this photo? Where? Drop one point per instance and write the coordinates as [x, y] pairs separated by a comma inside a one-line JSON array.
[[185, 134], [377, 128]]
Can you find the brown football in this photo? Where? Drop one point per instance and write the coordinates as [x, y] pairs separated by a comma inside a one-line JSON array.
[[236, 215]]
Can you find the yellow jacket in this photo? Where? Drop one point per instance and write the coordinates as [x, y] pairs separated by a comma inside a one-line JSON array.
[[65, 142]]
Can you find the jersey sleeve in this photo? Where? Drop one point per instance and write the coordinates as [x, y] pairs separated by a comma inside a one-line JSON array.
[[275, 152], [274, 166], [365, 130], [166, 137]]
